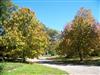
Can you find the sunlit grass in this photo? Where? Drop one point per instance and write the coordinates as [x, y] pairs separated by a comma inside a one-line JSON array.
[[29, 69]]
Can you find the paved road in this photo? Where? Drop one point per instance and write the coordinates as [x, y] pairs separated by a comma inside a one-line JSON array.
[[77, 69], [71, 69]]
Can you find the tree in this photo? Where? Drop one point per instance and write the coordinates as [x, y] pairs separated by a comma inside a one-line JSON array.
[[53, 36], [97, 52], [77, 36], [6, 8], [25, 36]]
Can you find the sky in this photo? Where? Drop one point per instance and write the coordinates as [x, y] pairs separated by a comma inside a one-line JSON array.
[[56, 14]]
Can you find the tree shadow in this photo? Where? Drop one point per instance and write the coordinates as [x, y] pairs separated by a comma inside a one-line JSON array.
[[74, 62]]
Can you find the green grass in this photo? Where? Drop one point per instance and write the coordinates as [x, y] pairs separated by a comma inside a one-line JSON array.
[[29, 69]]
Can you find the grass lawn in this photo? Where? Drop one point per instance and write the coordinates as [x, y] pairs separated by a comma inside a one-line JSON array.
[[29, 69]]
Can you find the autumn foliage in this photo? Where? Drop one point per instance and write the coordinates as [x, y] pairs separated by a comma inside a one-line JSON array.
[[80, 37], [24, 36]]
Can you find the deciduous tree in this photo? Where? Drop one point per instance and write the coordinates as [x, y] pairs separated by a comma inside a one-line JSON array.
[[80, 37]]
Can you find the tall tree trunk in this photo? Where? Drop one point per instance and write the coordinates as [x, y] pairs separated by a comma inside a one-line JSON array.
[[80, 54]]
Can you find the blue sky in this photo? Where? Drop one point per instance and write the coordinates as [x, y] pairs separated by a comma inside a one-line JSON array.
[[57, 13]]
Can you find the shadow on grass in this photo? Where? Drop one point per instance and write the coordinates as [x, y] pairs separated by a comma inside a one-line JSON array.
[[91, 62]]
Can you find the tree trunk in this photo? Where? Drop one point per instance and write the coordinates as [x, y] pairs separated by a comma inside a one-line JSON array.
[[80, 55], [23, 57]]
